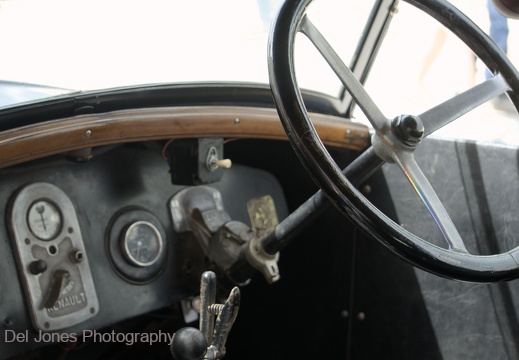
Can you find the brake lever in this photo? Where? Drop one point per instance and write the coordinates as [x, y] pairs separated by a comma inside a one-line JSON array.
[[192, 344]]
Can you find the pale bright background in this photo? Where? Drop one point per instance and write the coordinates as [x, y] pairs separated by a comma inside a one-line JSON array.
[[94, 44]]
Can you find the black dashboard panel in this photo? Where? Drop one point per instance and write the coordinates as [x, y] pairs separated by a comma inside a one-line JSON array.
[[123, 179]]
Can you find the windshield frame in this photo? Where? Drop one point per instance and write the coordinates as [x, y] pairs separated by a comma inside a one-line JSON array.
[[155, 95]]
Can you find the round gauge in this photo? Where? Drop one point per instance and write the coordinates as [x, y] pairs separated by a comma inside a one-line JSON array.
[[44, 220], [142, 243]]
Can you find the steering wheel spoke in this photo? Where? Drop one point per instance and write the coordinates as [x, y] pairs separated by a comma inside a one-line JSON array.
[[422, 187], [350, 82], [448, 111]]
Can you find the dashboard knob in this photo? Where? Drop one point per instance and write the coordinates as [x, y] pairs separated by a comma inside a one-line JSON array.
[[224, 163], [188, 344], [213, 162], [38, 267]]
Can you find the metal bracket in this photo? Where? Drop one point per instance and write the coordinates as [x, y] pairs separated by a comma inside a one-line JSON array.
[[266, 264], [200, 210]]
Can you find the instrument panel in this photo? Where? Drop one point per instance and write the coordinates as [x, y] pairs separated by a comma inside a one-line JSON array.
[[89, 245], [51, 257]]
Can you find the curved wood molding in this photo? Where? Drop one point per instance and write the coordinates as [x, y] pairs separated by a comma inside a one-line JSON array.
[[85, 131]]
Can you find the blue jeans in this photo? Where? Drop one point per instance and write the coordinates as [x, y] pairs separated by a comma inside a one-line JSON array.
[[498, 29]]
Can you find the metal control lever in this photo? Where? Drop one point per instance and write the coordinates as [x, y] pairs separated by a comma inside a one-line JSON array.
[[208, 343], [59, 279]]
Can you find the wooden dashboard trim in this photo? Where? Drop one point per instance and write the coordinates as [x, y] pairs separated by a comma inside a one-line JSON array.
[[87, 131]]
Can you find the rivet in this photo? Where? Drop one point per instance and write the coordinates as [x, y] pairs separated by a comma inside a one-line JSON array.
[[88, 133]]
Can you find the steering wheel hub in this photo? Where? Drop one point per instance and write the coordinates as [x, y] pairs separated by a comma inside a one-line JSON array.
[[408, 129]]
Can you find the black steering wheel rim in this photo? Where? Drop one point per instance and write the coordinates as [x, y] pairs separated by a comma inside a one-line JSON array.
[[312, 153]]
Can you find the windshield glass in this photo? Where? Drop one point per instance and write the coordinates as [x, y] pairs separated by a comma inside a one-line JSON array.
[[416, 70], [89, 45]]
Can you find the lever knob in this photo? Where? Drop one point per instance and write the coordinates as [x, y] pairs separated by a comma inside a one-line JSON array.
[[224, 163], [188, 344]]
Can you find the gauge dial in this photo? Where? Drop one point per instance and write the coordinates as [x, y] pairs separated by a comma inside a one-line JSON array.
[[44, 220], [142, 244]]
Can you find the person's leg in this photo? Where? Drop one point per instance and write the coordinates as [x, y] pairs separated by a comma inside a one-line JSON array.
[[498, 27], [498, 30], [499, 33]]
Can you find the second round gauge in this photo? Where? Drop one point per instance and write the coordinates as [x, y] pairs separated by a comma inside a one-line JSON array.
[[141, 244]]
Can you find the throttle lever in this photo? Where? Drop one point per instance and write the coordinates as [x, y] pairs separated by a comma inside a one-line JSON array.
[[190, 343]]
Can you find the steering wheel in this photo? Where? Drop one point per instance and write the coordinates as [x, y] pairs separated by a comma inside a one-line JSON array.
[[394, 141]]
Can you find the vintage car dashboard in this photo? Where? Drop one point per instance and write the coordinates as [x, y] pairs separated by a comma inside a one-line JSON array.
[[76, 188], [93, 244], [92, 233], [80, 178]]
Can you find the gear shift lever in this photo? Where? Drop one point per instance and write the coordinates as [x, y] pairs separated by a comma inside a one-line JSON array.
[[192, 344], [188, 344]]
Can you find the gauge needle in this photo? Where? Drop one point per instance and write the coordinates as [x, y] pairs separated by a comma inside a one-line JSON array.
[[40, 210], [139, 245]]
